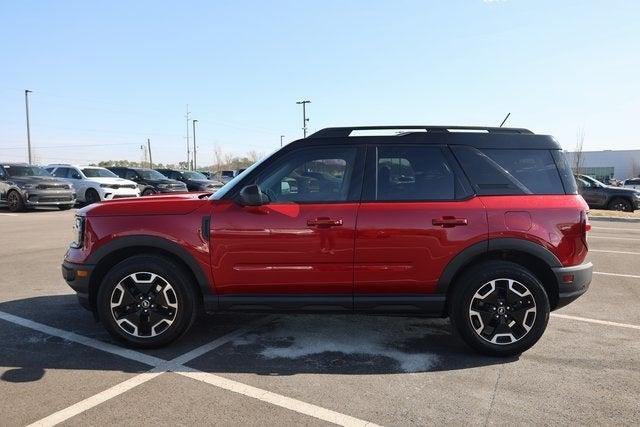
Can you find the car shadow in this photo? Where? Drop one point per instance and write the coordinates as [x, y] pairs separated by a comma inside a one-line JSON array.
[[285, 344]]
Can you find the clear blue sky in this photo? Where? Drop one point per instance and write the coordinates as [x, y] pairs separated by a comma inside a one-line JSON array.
[[114, 73]]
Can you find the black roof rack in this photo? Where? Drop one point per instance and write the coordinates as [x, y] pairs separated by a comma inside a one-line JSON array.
[[342, 132]]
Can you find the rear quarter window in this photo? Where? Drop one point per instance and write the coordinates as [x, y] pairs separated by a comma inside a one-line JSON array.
[[510, 171]]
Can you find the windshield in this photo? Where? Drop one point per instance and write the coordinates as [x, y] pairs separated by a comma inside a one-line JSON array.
[[593, 181], [98, 173], [229, 185], [150, 174], [15, 171], [194, 175]]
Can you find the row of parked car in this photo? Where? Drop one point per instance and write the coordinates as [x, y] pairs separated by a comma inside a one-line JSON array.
[[62, 185]]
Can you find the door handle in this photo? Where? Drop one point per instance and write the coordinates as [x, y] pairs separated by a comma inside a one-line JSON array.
[[324, 222], [449, 221]]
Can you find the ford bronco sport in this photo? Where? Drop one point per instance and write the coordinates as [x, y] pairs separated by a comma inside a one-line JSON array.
[[483, 225]]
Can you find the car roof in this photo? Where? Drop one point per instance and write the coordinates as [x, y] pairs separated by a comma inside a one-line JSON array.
[[475, 136]]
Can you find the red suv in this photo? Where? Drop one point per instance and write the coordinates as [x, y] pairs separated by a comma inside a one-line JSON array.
[[483, 225]]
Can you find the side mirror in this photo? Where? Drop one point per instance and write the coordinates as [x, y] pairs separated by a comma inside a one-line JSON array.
[[251, 196]]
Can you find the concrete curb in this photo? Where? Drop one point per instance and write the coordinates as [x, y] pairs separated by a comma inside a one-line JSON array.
[[613, 218]]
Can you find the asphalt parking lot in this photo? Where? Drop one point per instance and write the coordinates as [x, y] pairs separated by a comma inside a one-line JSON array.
[[58, 366]]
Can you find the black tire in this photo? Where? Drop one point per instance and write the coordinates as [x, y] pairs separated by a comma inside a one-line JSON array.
[[134, 333], [620, 204], [14, 201], [65, 207], [471, 295], [149, 192], [91, 196]]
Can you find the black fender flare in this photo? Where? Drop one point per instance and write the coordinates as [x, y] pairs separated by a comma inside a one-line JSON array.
[[463, 258], [153, 242]]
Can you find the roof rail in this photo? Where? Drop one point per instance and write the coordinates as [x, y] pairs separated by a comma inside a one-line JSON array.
[[337, 132]]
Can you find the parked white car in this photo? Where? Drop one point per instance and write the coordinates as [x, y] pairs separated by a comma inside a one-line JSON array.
[[94, 184], [632, 183]]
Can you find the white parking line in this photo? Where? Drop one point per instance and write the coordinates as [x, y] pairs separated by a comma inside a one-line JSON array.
[[7, 214], [633, 276], [614, 252], [590, 236], [277, 399], [176, 365], [599, 322], [614, 228]]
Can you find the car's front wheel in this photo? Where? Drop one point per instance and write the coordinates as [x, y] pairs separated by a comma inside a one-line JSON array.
[[14, 201], [146, 301], [499, 308]]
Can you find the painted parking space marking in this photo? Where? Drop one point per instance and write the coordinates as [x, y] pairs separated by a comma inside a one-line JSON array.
[[632, 276], [614, 252], [596, 321], [97, 399], [614, 228], [7, 214], [163, 366], [612, 238]]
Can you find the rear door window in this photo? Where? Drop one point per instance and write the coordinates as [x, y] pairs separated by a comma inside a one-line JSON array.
[[507, 171], [418, 173]]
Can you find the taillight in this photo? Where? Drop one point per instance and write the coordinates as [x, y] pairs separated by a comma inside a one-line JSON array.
[[584, 225]]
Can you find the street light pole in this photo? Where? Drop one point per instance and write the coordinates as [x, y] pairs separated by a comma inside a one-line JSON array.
[[188, 154], [195, 157], [149, 149], [281, 136], [26, 104], [304, 116]]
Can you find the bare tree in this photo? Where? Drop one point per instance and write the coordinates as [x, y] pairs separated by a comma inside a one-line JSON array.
[[578, 156], [217, 158]]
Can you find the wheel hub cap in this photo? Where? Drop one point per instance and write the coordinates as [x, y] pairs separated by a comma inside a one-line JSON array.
[[144, 304], [502, 311]]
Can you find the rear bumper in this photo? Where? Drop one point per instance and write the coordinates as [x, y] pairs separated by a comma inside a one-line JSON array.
[[78, 277], [570, 290]]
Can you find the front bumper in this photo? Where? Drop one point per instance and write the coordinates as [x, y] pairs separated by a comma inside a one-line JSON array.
[[37, 197], [572, 282], [78, 277], [118, 193]]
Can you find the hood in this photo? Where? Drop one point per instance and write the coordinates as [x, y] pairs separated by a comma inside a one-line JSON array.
[[171, 182], [622, 190], [206, 182], [179, 204], [37, 180], [111, 181]]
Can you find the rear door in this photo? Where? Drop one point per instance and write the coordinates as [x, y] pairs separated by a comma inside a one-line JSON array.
[[416, 215], [298, 248]]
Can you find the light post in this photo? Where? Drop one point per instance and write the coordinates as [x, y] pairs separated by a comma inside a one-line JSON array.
[[304, 116], [195, 156], [281, 136], [26, 104]]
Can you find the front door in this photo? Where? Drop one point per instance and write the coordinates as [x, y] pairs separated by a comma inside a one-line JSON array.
[[416, 215], [296, 250]]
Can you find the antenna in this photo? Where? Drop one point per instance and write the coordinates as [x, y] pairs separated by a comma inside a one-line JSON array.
[[505, 119]]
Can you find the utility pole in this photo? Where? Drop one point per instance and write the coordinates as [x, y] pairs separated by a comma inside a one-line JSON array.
[[281, 136], [188, 153], [505, 119], [26, 104], [150, 158], [304, 116], [195, 157]]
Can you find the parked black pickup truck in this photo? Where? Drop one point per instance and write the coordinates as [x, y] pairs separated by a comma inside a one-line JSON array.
[[601, 196]]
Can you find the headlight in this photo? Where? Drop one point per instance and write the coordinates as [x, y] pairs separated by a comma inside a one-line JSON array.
[[27, 186], [78, 228], [163, 186], [106, 186]]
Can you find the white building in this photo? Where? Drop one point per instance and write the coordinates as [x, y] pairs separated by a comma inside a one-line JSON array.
[[618, 164]]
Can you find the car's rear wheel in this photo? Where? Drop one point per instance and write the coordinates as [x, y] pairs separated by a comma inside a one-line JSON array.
[[91, 196], [146, 301], [620, 204], [14, 201], [499, 308]]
